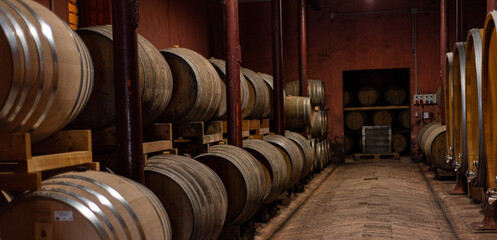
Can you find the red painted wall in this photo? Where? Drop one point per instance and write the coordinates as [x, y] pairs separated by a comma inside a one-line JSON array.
[[353, 42]]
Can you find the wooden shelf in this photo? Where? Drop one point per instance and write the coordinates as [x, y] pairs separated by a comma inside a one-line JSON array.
[[376, 108]]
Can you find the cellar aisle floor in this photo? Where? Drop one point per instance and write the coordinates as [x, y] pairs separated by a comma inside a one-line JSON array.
[[386, 199]]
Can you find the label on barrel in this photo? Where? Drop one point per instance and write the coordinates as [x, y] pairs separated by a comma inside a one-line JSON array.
[[63, 216]]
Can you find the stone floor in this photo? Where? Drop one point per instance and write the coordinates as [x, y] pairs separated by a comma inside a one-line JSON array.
[[387, 199]]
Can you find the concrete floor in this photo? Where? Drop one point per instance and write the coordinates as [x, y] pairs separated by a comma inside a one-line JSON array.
[[386, 199]]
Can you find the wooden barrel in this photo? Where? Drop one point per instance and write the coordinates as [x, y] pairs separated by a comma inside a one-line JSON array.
[[306, 149], [192, 194], [259, 97], [315, 90], [298, 112], [347, 97], [399, 142], [318, 149], [273, 160], [395, 94], [367, 95], [86, 205], [355, 120], [155, 80], [243, 177], [474, 104], [489, 91], [348, 144], [382, 117], [46, 71], [405, 118], [5, 199], [294, 154], [435, 147], [268, 80], [197, 87], [424, 132], [459, 106], [449, 101], [319, 124], [220, 66]]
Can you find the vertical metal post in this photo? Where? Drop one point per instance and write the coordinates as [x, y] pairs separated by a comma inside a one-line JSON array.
[[233, 59], [278, 101], [128, 103], [302, 48], [443, 50]]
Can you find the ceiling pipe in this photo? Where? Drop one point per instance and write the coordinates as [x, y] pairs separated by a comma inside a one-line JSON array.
[[302, 48], [233, 59], [278, 101], [129, 134], [443, 49]]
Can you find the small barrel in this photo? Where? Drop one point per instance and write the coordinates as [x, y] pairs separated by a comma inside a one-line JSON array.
[[426, 133], [382, 118], [405, 118], [395, 94], [87, 205], [347, 97], [449, 99], [298, 112], [220, 66], [293, 153], [348, 144], [268, 80], [474, 106], [422, 132], [306, 149], [273, 160], [243, 177], [489, 84], [46, 71], [259, 98], [197, 87], [367, 95], [155, 77], [315, 90], [399, 142], [355, 120], [434, 146], [192, 194]]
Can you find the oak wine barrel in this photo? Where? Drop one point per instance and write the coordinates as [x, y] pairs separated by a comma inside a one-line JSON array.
[[399, 142], [459, 107], [243, 177], [395, 94], [298, 112], [347, 97], [155, 80], [367, 95], [192, 194], [274, 161], [220, 66], [259, 98], [424, 132], [435, 147], [86, 205], [355, 120], [293, 153], [315, 90], [268, 80], [474, 104], [306, 149], [197, 87], [46, 70], [449, 102], [348, 144], [382, 117], [489, 91], [405, 118]]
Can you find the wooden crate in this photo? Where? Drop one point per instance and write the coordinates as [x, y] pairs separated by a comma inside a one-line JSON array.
[[245, 128], [199, 132], [22, 164]]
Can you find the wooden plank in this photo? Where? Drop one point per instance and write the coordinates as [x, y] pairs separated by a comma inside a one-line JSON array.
[[189, 130], [20, 182], [255, 124], [65, 141], [376, 108], [214, 127], [157, 146], [60, 160], [212, 138], [15, 146], [104, 139], [158, 131], [263, 131]]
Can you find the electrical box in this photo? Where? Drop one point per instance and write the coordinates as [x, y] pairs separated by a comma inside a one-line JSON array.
[[416, 100]]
